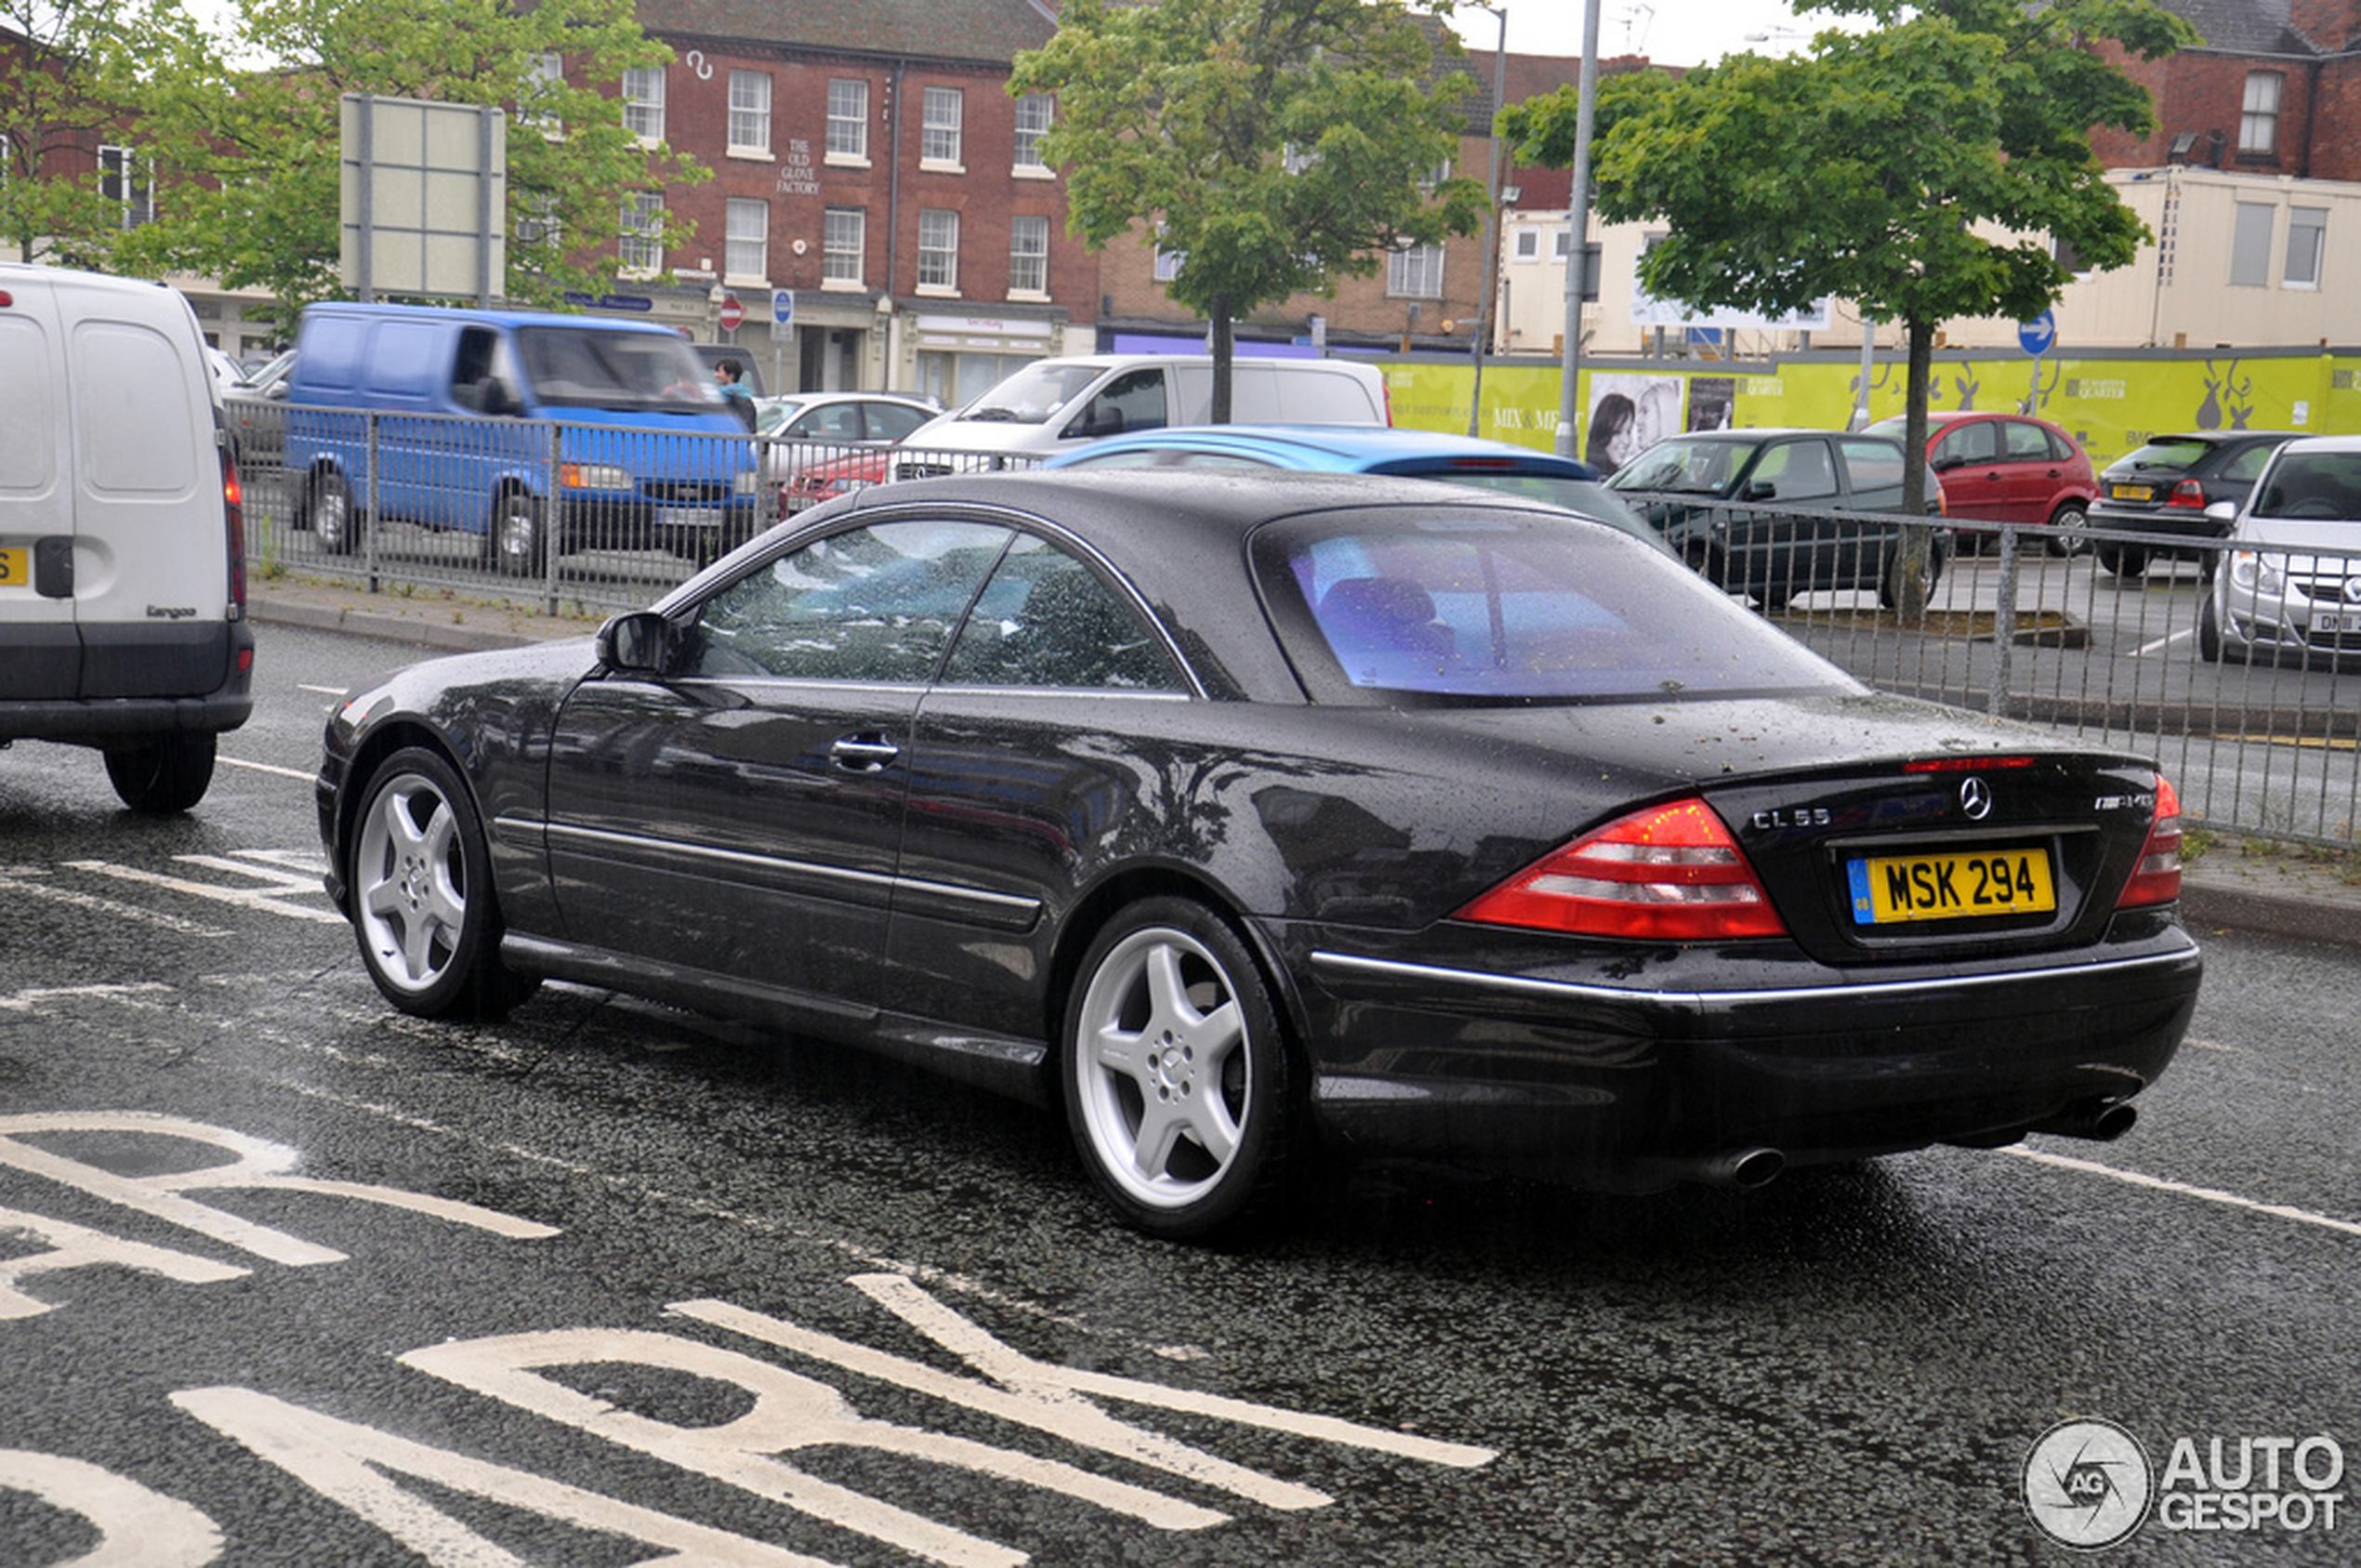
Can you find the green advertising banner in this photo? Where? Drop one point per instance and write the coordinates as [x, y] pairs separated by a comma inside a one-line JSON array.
[[2110, 405]]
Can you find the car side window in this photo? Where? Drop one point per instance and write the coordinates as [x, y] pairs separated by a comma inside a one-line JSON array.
[[1132, 402], [1965, 444], [1797, 470], [1873, 465], [2021, 442], [871, 604], [1046, 620], [892, 422], [2248, 463]]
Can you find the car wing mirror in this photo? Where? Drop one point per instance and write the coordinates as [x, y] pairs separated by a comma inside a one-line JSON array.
[[2222, 511], [1761, 489], [640, 643]]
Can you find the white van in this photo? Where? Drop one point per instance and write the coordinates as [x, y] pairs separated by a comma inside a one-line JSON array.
[[123, 585], [1054, 405]]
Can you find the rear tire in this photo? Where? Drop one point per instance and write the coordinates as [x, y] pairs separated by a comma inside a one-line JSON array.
[[327, 510], [515, 541], [2124, 560], [1176, 1078], [2067, 525], [164, 775]]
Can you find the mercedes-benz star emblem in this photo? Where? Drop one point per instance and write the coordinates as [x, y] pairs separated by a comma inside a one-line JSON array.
[[1975, 798]]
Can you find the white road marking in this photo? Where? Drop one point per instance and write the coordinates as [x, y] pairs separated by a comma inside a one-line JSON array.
[[39, 997], [137, 1528], [28, 881], [261, 1163], [76, 1247], [320, 690], [356, 1465], [276, 885], [268, 768], [2182, 1188], [2162, 642]]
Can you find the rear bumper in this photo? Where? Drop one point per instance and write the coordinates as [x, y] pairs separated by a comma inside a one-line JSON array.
[[131, 663], [1614, 1084]]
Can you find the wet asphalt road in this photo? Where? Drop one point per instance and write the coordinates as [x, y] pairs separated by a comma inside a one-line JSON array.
[[935, 1347]]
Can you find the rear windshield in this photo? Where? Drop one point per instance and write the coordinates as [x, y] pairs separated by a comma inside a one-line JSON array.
[[577, 368], [2165, 456], [1509, 605]]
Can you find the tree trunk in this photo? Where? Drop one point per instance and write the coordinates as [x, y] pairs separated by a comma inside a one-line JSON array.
[[1224, 352], [1917, 543]]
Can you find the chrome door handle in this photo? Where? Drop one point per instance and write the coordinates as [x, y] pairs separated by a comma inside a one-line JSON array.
[[864, 754]]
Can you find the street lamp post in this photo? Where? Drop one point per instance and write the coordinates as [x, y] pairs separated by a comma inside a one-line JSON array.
[[1491, 220], [1579, 222]]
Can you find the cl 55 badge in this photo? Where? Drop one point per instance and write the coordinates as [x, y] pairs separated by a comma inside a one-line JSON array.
[[1793, 816]]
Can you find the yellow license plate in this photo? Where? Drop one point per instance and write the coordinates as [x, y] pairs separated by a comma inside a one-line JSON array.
[[16, 567], [2132, 493], [1891, 889]]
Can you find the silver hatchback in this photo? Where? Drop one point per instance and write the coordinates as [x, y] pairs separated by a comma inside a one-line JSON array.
[[2291, 581]]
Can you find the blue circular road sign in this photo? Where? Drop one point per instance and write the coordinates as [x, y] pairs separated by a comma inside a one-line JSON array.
[[2038, 335]]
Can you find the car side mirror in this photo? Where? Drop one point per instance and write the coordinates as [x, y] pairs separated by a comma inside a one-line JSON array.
[[1945, 464], [1760, 489], [499, 397], [2222, 511], [640, 643]]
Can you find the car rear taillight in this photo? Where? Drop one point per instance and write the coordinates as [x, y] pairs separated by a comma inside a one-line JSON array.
[[1668, 873], [2156, 879], [233, 508], [2188, 493]]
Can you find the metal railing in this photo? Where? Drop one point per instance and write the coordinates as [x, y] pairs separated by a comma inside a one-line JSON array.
[[2097, 635]]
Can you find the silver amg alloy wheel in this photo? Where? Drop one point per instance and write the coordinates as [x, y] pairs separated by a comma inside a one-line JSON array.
[[422, 902], [1177, 1077]]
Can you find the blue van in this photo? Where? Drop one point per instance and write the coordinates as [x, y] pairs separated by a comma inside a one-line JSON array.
[[536, 432]]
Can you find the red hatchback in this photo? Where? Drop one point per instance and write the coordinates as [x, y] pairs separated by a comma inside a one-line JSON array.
[[2009, 467]]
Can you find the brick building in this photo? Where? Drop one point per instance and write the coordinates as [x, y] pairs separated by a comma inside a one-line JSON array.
[[2275, 90]]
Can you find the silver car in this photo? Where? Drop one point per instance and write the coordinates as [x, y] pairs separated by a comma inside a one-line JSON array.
[[2290, 583]]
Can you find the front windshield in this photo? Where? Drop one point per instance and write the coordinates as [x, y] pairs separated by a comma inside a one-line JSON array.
[[1034, 395], [1695, 468], [1515, 605], [634, 372]]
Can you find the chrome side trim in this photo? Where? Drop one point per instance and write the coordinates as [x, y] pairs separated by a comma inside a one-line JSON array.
[[1882, 989], [991, 908]]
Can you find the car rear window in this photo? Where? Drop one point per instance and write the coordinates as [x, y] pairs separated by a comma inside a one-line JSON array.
[[1509, 605], [2165, 456]]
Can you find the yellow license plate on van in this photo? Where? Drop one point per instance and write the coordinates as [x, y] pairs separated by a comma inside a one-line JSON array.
[[16, 567], [1891, 889]]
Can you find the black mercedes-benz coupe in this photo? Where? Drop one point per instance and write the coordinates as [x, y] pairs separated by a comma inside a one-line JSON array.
[[1246, 815]]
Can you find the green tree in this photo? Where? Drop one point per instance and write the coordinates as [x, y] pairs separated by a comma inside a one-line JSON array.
[[1274, 144], [1922, 170], [245, 129], [55, 111]]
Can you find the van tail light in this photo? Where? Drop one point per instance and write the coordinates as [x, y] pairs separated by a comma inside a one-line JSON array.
[[1671, 873], [2156, 879], [2188, 493], [233, 507]]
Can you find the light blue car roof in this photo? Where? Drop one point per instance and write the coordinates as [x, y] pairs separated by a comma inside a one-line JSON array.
[[1334, 448]]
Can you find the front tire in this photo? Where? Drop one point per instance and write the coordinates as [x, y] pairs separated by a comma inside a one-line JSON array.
[[1176, 1078], [162, 776], [2124, 560], [1894, 582], [422, 900]]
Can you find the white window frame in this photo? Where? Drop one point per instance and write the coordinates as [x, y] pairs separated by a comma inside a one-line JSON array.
[[2307, 249], [550, 68], [1028, 256], [750, 114], [1414, 272], [847, 121], [1528, 246], [844, 247], [746, 250], [640, 244], [1035, 113], [643, 102], [938, 251], [2258, 114], [940, 142], [129, 180]]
